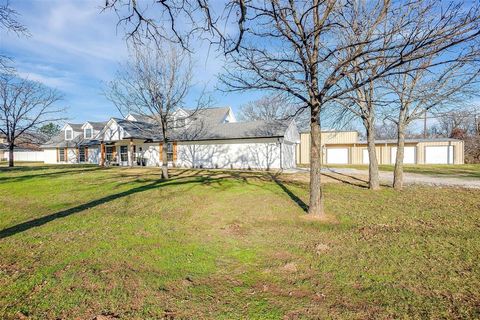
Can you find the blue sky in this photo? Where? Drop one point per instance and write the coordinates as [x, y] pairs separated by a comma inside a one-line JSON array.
[[76, 48]]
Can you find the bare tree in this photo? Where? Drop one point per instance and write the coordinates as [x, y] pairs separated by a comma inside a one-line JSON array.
[[154, 84], [386, 130], [466, 119], [179, 21], [25, 106], [362, 104], [9, 23], [297, 48], [430, 84], [272, 107]]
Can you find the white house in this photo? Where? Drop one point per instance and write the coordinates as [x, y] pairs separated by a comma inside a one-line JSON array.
[[208, 138]]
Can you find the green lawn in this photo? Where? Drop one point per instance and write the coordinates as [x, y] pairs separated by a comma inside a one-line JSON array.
[[77, 242], [461, 171]]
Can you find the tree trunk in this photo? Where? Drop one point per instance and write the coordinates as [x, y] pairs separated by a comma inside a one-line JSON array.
[[373, 178], [398, 173], [164, 160], [10, 154], [316, 206]]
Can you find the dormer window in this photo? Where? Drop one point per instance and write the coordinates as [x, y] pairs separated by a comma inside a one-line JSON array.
[[68, 134], [88, 133]]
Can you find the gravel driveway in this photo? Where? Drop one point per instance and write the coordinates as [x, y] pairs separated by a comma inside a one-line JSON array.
[[409, 178]]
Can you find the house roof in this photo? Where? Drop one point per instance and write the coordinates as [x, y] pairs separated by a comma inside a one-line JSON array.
[[206, 131], [97, 125], [214, 115], [76, 126], [59, 141], [241, 130], [207, 125], [141, 118]]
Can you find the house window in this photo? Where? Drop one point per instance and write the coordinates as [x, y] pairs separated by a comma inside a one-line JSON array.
[[68, 134], [123, 153], [169, 151], [109, 153], [61, 155], [81, 154], [88, 133]]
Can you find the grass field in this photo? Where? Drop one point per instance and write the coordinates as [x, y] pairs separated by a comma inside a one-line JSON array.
[[460, 171], [78, 242]]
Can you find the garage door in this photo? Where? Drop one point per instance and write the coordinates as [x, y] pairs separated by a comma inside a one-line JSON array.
[[337, 155], [365, 156], [439, 155], [408, 155]]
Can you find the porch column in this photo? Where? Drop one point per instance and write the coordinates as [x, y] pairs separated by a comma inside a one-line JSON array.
[[102, 154], [130, 153]]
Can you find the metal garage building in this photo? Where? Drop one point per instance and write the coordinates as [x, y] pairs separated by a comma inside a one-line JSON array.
[[344, 147]]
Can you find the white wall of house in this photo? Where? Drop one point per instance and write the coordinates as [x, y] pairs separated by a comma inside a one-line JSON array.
[[291, 134], [50, 155], [288, 155], [236, 154]]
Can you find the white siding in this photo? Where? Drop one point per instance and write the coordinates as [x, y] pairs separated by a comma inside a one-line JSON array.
[[50, 155], [234, 154], [291, 134], [288, 155]]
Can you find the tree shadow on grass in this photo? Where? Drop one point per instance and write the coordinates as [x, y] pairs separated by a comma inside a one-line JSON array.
[[343, 178], [350, 179], [178, 178], [292, 195], [24, 226]]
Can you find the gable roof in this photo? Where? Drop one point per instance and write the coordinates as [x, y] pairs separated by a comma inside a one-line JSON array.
[[138, 129], [75, 126], [213, 115], [97, 126], [59, 141], [139, 117], [244, 130], [205, 130]]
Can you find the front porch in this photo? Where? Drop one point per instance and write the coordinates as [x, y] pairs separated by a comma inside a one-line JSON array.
[[135, 153]]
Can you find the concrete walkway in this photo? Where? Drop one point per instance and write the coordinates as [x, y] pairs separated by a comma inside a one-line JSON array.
[[386, 177]]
